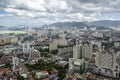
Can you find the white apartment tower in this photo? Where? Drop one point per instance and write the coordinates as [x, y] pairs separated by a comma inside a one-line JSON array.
[[82, 51]]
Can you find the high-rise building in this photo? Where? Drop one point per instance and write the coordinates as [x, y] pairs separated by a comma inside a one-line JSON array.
[[82, 51], [106, 59]]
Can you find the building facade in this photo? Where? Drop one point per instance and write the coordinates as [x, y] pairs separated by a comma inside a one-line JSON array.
[[82, 51], [106, 59], [25, 47]]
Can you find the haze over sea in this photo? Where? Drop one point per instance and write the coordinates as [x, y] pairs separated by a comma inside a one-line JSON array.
[[12, 31]]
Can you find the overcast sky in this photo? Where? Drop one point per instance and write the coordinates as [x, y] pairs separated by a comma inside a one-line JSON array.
[[39, 12]]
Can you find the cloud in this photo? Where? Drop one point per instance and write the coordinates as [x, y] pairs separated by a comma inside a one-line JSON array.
[[49, 11], [32, 5], [4, 15], [35, 5]]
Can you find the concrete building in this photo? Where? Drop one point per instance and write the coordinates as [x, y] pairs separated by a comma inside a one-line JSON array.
[[116, 43], [106, 59], [15, 62], [4, 39], [42, 74], [77, 65], [82, 51], [96, 42], [34, 55], [93, 28], [106, 62], [14, 39], [52, 47], [61, 41], [65, 50], [97, 34], [31, 31], [25, 47]]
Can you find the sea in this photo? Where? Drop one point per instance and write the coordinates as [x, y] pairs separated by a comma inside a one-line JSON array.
[[12, 31]]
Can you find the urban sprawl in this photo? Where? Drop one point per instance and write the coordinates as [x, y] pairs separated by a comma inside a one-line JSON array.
[[54, 53]]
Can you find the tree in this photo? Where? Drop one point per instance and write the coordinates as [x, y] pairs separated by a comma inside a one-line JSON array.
[[20, 77], [54, 52], [8, 65]]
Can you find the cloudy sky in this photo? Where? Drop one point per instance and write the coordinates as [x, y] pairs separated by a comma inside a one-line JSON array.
[[39, 12]]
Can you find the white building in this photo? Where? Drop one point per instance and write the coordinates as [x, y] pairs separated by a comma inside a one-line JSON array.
[[34, 54], [93, 28], [77, 65], [82, 51], [15, 62], [4, 39], [42, 74], [106, 62], [116, 43], [97, 34], [14, 40], [26, 47], [106, 59]]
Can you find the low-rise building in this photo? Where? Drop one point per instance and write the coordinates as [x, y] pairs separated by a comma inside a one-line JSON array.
[[25, 47], [52, 47], [61, 41], [4, 39], [42, 74], [14, 40], [77, 65]]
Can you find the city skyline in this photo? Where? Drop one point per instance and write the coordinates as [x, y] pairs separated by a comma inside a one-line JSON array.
[[59, 40]]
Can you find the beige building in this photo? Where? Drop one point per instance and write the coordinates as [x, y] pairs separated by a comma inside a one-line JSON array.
[[52, 47], [77, 65], [4, 39], [14, 39], [61, 41], [34, 54], [65, 50]]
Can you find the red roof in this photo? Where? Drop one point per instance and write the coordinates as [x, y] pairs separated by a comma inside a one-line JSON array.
[[4, 70]]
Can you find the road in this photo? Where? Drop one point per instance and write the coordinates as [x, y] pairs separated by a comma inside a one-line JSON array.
[[26, 71], [24, 68]]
